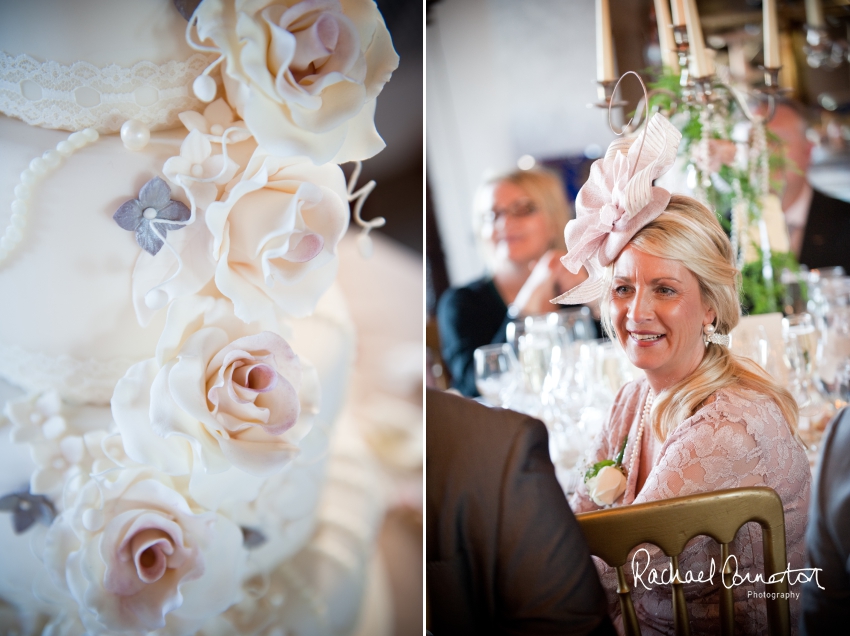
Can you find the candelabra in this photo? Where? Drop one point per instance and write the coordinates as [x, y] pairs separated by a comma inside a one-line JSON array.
[[821, 50], [606, 95], [741, 190]]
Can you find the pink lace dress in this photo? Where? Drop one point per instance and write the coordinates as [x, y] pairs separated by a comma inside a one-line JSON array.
[[740, 439]]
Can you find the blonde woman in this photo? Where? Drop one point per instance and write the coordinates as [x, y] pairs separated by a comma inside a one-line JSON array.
[[702, 419], [520, 219]]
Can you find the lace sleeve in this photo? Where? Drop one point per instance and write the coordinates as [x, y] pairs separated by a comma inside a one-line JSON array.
[[710, 454]]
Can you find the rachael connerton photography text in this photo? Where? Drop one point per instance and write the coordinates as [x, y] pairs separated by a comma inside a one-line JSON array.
[[668, 576]]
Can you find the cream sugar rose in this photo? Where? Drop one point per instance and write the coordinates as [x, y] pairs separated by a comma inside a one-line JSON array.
[[219, 394], [304, 76]]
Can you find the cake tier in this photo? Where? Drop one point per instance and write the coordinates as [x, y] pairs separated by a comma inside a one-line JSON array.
[[69, 310], [69, 322], [100, 32]]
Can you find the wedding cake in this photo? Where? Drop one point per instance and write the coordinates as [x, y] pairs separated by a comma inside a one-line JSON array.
[[174, 351]]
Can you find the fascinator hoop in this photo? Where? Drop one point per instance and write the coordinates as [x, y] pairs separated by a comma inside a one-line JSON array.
[[617, 201]]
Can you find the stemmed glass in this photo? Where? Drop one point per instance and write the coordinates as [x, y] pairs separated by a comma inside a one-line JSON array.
[[802, 328], [801, 346], [496, 372]]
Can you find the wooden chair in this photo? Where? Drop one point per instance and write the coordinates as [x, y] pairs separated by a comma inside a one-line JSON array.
[[439, 370], [612, 534]]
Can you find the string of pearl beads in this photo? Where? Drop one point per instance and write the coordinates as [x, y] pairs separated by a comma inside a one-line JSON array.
[[39, 168]]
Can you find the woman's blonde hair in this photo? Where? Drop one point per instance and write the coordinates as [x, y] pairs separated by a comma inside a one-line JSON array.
[[545, 189], [688, 232]]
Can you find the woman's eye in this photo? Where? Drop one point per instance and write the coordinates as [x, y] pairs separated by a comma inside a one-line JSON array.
[[621, 290], [666, 291]]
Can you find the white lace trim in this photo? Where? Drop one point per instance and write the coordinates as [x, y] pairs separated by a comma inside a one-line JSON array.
[[52, 95], [77, 381]]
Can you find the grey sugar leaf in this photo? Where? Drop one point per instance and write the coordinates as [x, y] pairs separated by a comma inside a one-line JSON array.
[[146, 238], [129, 215], [186, 7], [168, 227], [252, 538], [9, 502], [155, 194], [174, 211], [23, 519], [26, 509]]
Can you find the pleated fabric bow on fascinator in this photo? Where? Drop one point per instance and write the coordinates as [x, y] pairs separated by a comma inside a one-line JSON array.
[[617, 201]]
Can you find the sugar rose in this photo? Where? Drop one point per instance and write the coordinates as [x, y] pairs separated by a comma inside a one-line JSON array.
[[136, 558], [221, 391], [304, 75], [275, 234]]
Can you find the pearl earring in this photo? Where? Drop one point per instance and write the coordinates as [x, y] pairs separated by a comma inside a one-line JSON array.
[[709, 336]]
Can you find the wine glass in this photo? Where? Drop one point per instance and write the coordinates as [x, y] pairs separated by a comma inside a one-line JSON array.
[[495, 372], [513, 330], [535, 356], [802, 327]]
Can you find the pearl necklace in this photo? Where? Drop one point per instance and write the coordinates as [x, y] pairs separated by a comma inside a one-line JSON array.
[[38, 169], [647, 407]]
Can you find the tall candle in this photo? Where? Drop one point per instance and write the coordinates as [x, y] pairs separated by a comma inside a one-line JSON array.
[[678, 12], [771, 35], [604, 49], [665, 36], [814, 14], [701, 66]]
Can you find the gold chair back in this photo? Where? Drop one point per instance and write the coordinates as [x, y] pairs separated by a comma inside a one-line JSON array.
[[612, 534]]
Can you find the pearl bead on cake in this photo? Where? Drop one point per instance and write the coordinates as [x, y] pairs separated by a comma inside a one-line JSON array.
[[38, 169]]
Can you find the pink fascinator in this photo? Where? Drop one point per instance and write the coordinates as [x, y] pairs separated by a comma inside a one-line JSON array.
[[617, 201]]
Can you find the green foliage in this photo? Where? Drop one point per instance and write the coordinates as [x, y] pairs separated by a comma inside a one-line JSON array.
[[619, 459], [594, 470], [758, 297], [616, 462]]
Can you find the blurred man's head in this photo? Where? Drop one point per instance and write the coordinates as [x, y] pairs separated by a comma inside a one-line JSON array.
[[790, 126]]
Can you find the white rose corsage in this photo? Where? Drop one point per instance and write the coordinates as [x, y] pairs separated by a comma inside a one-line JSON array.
[[606, 480]]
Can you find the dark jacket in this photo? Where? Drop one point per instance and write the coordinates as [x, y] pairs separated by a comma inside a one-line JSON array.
[[504, 552], [469, 317], [827, 611]]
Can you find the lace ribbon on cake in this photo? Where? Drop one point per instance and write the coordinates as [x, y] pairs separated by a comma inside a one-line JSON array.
[[77, 381], [82, 95]]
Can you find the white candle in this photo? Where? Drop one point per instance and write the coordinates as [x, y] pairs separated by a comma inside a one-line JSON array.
[[771, 35], [665, 36], [701, 66], [814, 14], [604, 48], [678, 12]]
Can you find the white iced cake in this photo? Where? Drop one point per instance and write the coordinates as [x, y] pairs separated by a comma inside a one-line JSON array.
[[174, 350]]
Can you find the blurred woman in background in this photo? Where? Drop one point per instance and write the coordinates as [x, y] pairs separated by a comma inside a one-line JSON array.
[[519, 219]]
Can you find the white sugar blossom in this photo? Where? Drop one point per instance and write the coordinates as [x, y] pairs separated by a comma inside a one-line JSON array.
[[65, 441], [304, 75], [216, 119], [198, 171]]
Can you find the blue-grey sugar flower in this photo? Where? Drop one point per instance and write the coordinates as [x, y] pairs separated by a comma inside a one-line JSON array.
[[26, 509], [154, 204]]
